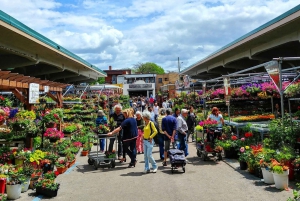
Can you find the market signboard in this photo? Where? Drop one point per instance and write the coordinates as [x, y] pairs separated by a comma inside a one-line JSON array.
[[34, 91], [177, 84], [273, 70], [186, 82], [227, 86]]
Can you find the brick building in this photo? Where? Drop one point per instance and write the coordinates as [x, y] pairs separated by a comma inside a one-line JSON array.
[[112, 74], [165, 79]]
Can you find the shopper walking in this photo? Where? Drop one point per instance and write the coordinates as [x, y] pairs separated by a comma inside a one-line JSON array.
[[191, 123], [169, 126], [149, 133], [101, 120], [130, 133], [156, 111], [160, 134], [182, 129], [119, 118], [140, 126]]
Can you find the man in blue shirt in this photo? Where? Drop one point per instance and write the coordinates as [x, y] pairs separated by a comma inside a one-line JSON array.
[[169, 126]]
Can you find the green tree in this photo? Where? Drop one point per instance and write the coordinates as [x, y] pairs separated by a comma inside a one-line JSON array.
[[101, 80], [148, 68]]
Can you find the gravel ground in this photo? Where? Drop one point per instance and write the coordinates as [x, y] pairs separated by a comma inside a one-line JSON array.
[[207, 180]]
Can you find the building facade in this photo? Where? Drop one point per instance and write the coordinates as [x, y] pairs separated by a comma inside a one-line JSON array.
[[138, 84], [164, 79], [113, 74]]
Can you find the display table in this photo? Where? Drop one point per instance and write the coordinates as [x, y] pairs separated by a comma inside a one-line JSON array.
[[242, 124], [261, 130]]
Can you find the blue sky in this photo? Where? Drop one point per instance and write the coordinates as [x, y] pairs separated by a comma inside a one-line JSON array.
[[122, 33]]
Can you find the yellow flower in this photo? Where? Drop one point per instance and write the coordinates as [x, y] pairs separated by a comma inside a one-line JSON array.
[[247, 147], [14, 153]]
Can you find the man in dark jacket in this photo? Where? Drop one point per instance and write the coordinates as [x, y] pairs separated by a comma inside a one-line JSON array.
[[118, 118], [191, 123]]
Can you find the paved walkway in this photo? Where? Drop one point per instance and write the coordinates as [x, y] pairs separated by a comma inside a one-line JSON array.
[[207, 180]]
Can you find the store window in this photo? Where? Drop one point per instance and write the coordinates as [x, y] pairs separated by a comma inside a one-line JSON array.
[[159, 80], [114, 79], [147, 80]]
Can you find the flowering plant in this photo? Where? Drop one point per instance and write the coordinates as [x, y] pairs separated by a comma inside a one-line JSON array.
[[252, 87], [234, 138], [266, 157], [217, 92], [77, 144], [5, 102], [61, 164], [278, 167], [23, 154], [244, 153], [199, 128], [53, 133], [268, 87], [47, 184], [24, 114], [248, 134], [239, 92], [53, 116], [37, 156], [3, 197], [102, 128], [208, 123]]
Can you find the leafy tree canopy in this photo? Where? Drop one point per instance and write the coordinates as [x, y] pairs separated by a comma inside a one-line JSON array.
[[101, 80], [148, 68]]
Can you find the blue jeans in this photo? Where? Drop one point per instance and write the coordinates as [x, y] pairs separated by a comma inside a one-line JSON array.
[[183, 145], [102, 144], [130, 149], [161, 145], [148, 155]]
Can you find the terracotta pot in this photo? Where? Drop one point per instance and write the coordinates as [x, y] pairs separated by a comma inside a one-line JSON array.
[[84, 153], [61, 170]]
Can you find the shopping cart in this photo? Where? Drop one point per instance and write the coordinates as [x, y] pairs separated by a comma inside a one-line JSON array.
[[99, 159], [206, 145]]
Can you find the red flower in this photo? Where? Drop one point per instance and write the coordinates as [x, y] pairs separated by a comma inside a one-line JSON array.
[[234, 137], [248, 134], [55, 116]]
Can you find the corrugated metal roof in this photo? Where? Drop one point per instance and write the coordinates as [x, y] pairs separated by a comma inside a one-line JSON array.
[[22, 27], [273, 21]]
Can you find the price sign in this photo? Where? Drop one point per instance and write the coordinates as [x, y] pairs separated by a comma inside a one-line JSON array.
[[46, 89], [34, 92]]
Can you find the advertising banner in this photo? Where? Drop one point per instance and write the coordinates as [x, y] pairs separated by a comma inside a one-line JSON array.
[[273, 70], [177, 84], [186, 82], [227, 86]]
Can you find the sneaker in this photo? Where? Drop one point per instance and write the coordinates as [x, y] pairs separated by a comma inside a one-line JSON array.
[[164, 163], [155, 170], [187, 161], [146, 171]]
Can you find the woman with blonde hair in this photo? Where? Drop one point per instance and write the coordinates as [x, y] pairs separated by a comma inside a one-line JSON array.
[[129, 127]]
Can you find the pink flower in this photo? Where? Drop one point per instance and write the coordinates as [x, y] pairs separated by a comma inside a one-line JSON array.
[[242, 149], [242, 139]]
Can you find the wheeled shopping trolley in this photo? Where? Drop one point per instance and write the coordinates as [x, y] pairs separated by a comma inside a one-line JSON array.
[[207, 143], [177, 159], [98, 159]]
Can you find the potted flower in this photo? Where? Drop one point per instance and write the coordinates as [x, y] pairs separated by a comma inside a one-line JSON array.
[[102, 129], [3, 197], [21, 156], [243, 157], [27, 171], [34, 177], [61, 166], [70, 158], [36, 157], [13, 186], [46, 187], [53, 134], [280, 173], [265, 164], [3, 178], [51, 118], [85, 150], [208, 123], [252, 88]]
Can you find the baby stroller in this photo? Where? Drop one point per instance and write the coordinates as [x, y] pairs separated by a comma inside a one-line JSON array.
[[177, 158], [207, 146]]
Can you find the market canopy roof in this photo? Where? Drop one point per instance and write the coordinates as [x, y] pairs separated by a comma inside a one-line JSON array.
[[23, 50], [277, 38]]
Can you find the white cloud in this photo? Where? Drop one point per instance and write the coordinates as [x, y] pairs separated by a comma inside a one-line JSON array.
[[123, 33]]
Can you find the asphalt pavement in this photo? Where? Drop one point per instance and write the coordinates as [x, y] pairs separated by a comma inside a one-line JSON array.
[[203, 180]]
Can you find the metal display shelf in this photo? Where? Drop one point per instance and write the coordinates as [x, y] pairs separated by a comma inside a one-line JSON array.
[[71, 102], [242, 124], [261, 130]]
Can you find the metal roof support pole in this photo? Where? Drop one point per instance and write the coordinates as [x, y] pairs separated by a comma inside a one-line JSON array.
[[84, 91], [68, 90], [280, 88]]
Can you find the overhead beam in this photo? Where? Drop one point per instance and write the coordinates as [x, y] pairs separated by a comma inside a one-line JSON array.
[[43, 71], [64, 75]]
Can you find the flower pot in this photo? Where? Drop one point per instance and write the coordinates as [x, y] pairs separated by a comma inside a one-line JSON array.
[[46, 192], [61, 170], [281, 180], [84, 153], [19, 162], [258, 172], [32, 181], [268, 176], [51, 125], [13, 191], [230, 153], [291, 169], [243, 165], [2, 185], [25, 185]]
